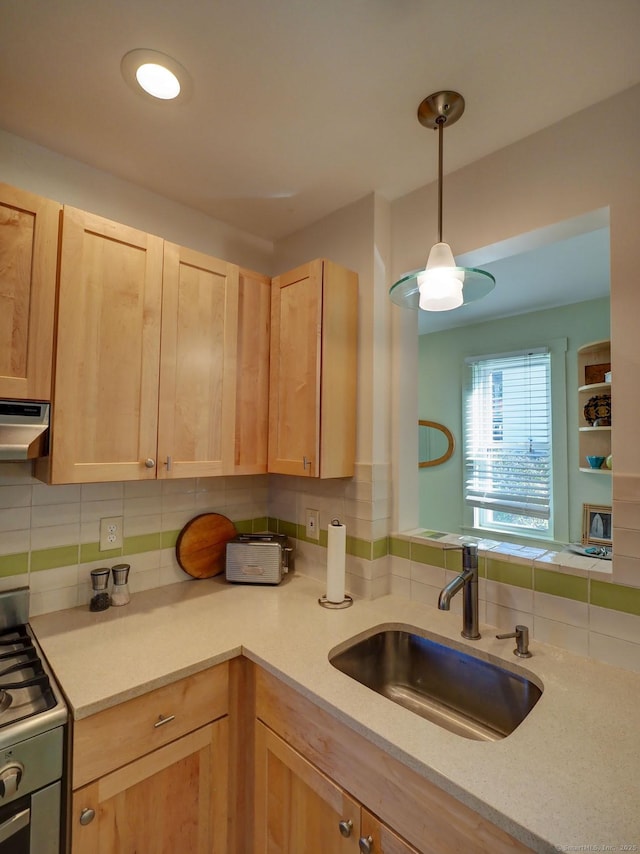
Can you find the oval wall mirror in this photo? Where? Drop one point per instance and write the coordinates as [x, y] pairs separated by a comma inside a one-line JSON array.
[[436, 443]]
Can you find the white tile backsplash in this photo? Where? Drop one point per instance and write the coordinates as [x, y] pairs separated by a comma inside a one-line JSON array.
[[15, 518], [621, 653], [615, 624], [571, 638], [564, 610]]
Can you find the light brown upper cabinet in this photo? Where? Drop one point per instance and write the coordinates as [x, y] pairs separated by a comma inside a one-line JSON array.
[[312, 397], [252, 385], [146, 357], [105, 403], [28, 258], [196, 430]]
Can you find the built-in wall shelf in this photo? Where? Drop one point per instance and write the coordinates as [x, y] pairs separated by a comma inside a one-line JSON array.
[[594, 388], [594, 361]]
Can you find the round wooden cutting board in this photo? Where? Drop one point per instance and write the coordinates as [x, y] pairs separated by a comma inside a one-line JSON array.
[[200, 549]]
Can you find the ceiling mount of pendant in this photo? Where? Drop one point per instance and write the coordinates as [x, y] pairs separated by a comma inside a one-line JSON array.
[[440, 108]]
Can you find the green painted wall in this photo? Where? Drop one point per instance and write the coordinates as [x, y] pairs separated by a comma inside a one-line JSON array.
[[441, 371]]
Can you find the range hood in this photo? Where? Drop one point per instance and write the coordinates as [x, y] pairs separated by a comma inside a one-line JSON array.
[[24, 430]]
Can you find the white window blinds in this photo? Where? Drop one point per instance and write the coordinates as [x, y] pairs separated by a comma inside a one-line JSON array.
[[508, 433]]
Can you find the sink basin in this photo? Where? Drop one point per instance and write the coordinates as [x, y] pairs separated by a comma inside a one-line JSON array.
[[473, 697]]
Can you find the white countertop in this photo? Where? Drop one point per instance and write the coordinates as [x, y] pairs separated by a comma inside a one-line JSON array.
[[569, 776]]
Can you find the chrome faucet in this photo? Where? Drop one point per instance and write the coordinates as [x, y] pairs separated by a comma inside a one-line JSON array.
[[467, 581]]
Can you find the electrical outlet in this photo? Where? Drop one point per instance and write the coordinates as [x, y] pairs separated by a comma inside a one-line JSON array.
[[111, 533], [313, 530]]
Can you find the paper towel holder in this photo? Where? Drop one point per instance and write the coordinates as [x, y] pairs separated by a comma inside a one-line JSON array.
[[346, 602]]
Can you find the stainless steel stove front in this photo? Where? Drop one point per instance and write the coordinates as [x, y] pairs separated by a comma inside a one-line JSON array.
[[33, 732]]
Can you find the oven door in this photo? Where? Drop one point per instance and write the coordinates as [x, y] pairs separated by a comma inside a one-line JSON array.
[[31, 824]]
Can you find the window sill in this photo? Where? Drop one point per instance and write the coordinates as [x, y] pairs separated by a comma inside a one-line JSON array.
[[558, 560]]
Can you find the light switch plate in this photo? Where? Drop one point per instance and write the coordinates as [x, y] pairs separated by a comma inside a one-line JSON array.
[[313, 530]]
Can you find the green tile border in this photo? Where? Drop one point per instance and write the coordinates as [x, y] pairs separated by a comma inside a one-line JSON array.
[[15, 564], [90, 552], [168, 539], [359, 548], [505, 572], [561, 584], [52, 558], [422, 553], [399, 548], [380, 548], [142, 543], [616, 597]]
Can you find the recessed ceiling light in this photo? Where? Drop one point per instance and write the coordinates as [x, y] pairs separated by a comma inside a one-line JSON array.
[[153, 74]]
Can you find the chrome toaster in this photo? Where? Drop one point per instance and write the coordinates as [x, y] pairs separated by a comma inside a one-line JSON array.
[[258, 558]]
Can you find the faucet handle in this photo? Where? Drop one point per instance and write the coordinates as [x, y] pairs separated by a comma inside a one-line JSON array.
[[521, 634]]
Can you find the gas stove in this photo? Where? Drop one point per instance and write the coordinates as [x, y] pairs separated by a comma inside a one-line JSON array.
[[33, 719]]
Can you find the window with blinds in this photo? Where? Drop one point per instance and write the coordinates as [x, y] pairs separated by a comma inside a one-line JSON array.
[[507, 441]]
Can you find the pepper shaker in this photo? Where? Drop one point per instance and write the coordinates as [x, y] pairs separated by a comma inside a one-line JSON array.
[[100, 600]]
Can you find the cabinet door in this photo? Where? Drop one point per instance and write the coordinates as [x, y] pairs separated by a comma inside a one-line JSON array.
[[252, 390], [294, 396], [107, 353], [377, 838], [174, 799], [196, 428], [297, 809], [28, 260]]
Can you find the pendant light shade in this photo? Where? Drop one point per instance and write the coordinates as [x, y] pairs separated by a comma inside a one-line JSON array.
[[442, 285]]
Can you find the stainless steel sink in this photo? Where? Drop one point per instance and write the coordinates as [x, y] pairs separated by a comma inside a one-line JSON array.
[[470, 696]]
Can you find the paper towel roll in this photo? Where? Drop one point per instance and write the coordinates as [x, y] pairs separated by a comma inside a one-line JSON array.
[[336, 550]]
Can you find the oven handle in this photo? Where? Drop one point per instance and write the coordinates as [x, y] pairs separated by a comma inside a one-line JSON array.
[[10, 827]]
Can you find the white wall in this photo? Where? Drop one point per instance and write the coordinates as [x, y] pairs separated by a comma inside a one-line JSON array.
[[39, 170]]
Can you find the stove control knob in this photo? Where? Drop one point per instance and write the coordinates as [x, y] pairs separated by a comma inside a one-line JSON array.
[[10, 776]]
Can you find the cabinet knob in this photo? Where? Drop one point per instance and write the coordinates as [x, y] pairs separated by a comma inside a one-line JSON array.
[[87, 816], [365, 843], [306, 462], [149, 463], [345, 827]]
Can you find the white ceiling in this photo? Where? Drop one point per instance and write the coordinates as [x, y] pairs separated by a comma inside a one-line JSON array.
[[299, 107]]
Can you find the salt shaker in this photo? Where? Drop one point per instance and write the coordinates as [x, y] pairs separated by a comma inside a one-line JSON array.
[[120, 594], [100, 600]]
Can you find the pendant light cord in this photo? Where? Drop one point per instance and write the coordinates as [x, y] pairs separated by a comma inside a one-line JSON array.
[[440, 121]]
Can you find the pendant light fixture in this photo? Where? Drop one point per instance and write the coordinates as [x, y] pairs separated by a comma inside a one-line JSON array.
[[441, 285]]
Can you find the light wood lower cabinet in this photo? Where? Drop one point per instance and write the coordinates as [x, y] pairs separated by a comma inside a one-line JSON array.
[[313, 771], [299, 810], [174, 799], [151, 775]]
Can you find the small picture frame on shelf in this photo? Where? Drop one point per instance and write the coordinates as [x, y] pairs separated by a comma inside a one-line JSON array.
[[596, 525]]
